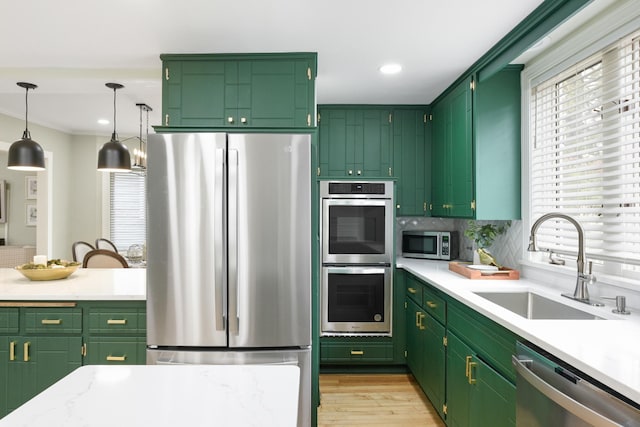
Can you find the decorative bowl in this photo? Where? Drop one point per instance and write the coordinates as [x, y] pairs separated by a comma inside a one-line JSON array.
[[52, 272]]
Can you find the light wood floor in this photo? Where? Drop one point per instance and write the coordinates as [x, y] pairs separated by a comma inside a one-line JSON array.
[[389, 400]]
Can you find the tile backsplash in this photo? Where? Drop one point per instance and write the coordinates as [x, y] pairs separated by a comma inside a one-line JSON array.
[[507, 248]]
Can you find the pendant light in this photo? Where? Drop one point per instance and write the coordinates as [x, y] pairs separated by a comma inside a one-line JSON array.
[[26, 154], [114, 156], [140, 153]]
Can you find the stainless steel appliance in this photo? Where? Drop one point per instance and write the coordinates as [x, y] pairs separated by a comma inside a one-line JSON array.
[[356, 299], [229, 251], [357, 222], [357, 250], [430, 244], [549, 393]]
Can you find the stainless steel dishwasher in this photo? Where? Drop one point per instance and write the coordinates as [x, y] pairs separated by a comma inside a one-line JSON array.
[[549, 394]]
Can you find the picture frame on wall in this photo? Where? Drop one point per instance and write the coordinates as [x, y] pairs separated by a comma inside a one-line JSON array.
[[32, 215], [31, 187], [3, 201]]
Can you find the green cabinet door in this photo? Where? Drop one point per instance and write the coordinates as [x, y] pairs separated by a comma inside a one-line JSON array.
[[263, 90], [493, 398], [452, 160], [459, 356], [415, 345], [461, 157], [355, 142], [433, 372], [116, 351], [411, 159], [39, 362], [5, 387]]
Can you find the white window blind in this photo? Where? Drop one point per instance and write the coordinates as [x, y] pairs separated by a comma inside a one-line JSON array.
[[128, 210], [585, 157]]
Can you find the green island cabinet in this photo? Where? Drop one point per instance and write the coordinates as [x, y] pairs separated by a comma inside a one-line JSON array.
[[460, 358], [43, 341], [476, 148], [262, 90]]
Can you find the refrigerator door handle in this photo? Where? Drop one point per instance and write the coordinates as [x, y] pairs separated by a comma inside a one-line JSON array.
[[233, 242], [218, 241]]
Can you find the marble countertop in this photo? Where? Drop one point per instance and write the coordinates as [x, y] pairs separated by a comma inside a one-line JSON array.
[[166, 396], [608, 350], [114, 284]]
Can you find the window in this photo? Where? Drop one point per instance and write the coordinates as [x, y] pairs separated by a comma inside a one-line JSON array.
[[128, 210], [585, 157]]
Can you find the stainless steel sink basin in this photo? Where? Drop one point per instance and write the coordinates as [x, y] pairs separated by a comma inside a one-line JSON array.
[[533, 306]]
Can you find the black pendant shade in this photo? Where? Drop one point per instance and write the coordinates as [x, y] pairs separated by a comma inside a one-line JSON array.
[[114, 156], [26, 154]]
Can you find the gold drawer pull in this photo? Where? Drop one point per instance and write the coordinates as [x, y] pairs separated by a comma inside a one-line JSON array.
[[12, 350], [116, 321], [431, 304], [412, 290], [357, 352], [116, 358], [51, 321], [26, 351], [471, 366], [422, 326]]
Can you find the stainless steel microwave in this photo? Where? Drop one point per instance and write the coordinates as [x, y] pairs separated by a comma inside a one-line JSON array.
[[430, 244]]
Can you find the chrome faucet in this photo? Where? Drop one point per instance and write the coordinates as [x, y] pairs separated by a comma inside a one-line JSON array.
[[581, 292]]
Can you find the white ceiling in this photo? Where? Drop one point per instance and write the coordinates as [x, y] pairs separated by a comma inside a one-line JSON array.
[[70, 49]]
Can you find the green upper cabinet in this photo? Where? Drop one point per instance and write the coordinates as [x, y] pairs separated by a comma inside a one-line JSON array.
[[476, 149], [228, 90], [452, 162], [355, 141], [411, 160]]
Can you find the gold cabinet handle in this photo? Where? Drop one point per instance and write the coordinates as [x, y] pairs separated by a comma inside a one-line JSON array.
[[431, 304], [357, 352], [466, 368], [51, 321], [26, 351], [243, 120], [422, 326], [350, 172], [417, 319], [471, 366], [116, 321], [412, 290], [398, 206], [230, 119], [359, 172], [111, 358], [166, 120], [12, 350], [83, 350]]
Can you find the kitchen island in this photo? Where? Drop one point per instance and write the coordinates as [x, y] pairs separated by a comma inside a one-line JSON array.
[[164, 396], [607, 350]]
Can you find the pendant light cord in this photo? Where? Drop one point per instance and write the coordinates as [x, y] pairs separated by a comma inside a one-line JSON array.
[[26, 134], [113, 135]]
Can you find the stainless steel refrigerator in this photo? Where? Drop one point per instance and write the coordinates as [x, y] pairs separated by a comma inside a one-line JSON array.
[[229, 251]]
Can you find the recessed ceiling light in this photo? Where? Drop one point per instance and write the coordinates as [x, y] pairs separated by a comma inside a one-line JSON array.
[[103, 121], [391, 68]]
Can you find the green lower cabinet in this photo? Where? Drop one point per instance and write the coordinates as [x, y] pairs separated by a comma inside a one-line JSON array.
[[116, 351], [458, 387], [426, 353], [35, 363]]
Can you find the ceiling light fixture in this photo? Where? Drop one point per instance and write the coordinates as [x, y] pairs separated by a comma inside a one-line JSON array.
[[26, 154], [391, 68], [140, 153], [114, 156]]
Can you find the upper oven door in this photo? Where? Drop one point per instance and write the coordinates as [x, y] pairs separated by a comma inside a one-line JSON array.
[[357, 231]]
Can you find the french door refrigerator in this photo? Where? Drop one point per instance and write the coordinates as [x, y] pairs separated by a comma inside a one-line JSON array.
[[229, 251]]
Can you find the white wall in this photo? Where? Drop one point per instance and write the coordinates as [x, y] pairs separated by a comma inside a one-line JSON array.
[[76, 211]]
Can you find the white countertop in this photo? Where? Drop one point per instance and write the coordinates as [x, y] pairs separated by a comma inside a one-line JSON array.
[[166, 396], [94, 284], [608, 350]]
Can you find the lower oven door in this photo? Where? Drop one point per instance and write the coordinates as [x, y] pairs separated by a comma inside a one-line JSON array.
[[356, 300]]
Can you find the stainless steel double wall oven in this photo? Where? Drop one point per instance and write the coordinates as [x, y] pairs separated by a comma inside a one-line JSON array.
[[357, 251]]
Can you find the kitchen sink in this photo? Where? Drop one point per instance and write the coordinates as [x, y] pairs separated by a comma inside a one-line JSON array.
[[534, 306]]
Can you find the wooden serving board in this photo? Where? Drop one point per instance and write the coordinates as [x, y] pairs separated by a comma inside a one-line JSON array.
[[504, 273]]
